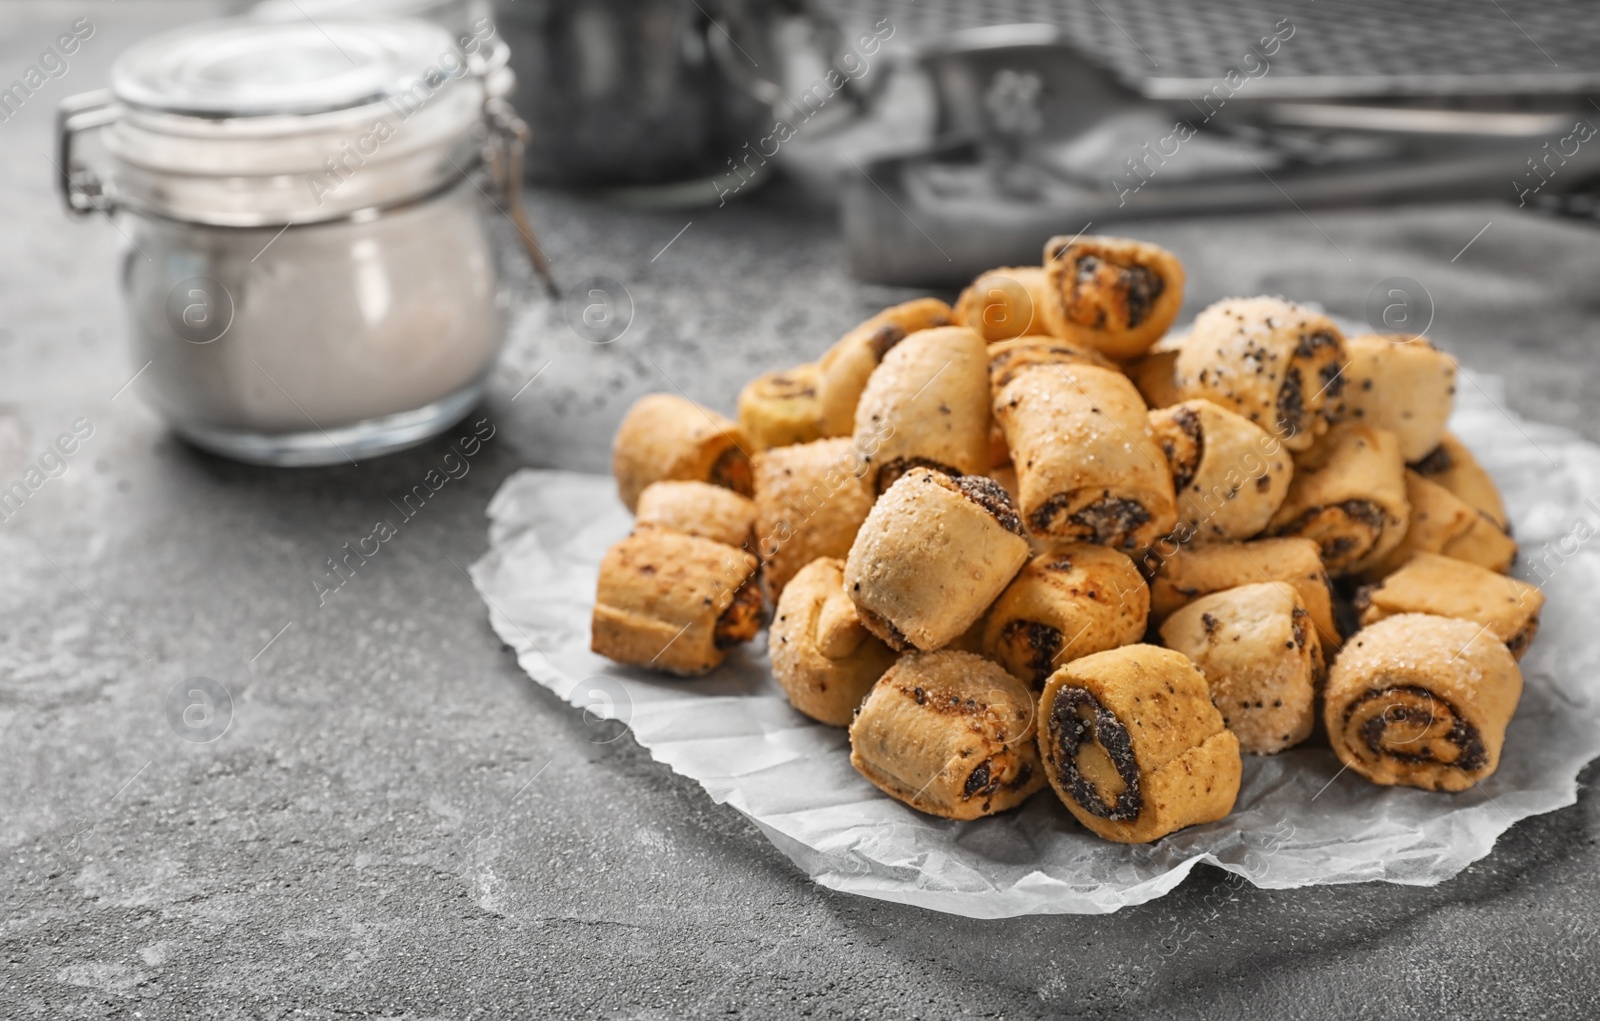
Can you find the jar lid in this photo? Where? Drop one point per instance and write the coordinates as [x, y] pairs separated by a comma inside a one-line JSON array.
[[460, 16], [253, 68], [245, 123]]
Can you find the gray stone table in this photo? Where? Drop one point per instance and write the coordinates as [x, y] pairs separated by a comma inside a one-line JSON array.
[[398, 823]]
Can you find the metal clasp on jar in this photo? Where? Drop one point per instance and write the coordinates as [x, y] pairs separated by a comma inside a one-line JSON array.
[[83, 191], [81, 188]]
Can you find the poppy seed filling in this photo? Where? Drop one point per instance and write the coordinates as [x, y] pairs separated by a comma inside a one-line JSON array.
[[1077, 717]]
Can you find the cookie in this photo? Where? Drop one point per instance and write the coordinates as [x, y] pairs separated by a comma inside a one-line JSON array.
[[1115, 295], [1133, 746], [1422, 701], [950, 734], [824, 659], [674, 602], [665, 436], [1261, 658], [932, 556]]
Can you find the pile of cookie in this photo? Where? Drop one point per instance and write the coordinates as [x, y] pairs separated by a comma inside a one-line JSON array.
[[1036, 538]]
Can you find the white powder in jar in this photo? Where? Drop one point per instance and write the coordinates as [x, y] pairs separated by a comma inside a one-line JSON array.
[[332, 324]]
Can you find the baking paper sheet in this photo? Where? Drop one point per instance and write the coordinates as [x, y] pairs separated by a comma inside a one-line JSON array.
[[1299, 819]]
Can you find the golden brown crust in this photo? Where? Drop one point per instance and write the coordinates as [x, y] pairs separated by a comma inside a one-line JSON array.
[[1132, 745], [1452, 466], [1484, 545], [1179, 576], [809, 504], [1447, 587], [1349, 495], [1400, 383], [1088, 467], [1438, 518], [1076, 600], [845, 367], [933, 554], [1003, 303], [699, 508], [673, 602], [1422, 701], [781, 408], [950, 734], [1229, 475], [1260, 655], [926, 405], [665, 436], [1270, 360], [1116, 295], [822, 655]]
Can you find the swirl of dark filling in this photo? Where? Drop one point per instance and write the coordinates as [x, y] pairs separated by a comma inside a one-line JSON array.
[[732, 470], [1185, 463], [1071, 731], [1471, 755], [1139, 287], [1363, 514], [992, 497], [1042, 642], [1437, 462], [884, 338], [1112, 520], [890, 471], [1291, 401], [1330, 374]]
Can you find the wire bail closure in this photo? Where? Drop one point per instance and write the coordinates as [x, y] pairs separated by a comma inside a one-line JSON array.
[[83, 191]]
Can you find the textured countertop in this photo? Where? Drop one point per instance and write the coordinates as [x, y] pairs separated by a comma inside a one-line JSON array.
[[399, 823]]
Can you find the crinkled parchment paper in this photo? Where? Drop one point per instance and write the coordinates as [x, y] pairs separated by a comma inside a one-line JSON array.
[[1299, 821]]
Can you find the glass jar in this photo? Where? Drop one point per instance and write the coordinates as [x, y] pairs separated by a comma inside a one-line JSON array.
[[309, 275]]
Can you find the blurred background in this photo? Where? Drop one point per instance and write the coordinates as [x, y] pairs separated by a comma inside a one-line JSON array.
[[211, 247], [713, 183]]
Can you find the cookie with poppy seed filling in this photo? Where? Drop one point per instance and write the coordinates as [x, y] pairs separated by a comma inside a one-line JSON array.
[[674, 602], [1072, 601], [845, 367], [1422, 701], [926, 405], [1400, 383], [1349, 496], [699, 508], [664, 436], [950, 734], [1270, 360], [932, 556], [1088, 467], [781, 408], [1229, 475], [1438, 518], [824, 659], [1008, 358], [1447, 587], [1260, 655], [1133, 746], [1116, 295], [809, 504], [1180, 576], [1452, 466], [1003, 303]]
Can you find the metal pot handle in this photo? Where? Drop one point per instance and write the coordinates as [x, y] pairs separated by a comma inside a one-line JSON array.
[[81, 189]]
